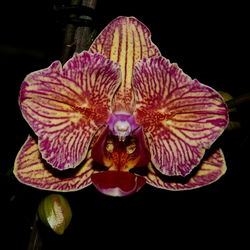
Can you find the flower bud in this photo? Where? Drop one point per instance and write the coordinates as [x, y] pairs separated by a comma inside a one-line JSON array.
[[55, 212]]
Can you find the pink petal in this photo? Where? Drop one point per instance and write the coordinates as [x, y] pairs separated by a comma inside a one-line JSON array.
[[180, 116], [126, 41], [66, 106], [32, 170], [115, 183], [210, 170]]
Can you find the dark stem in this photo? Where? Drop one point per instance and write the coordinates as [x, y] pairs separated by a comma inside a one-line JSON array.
[[35, 242], [77, 36]]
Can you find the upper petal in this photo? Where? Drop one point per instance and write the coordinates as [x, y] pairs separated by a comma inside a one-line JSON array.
[[125, 40], [66, 106], [180, 116]]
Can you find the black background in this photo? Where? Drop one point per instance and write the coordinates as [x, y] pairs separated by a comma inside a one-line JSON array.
[[209, 42]]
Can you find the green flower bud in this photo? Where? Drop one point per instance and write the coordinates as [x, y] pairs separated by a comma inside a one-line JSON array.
[[55, 212]]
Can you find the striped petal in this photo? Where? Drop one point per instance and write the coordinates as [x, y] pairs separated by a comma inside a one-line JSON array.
[[66, 106], [180, 116], [32, 170], [125, 40], [211, 169]]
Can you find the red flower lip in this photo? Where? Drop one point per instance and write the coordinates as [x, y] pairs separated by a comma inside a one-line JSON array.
[[116, 183]]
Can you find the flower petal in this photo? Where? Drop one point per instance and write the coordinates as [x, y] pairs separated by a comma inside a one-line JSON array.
[[211, 169], [180, 116], [32, 170], [125, 40], [66, 106]]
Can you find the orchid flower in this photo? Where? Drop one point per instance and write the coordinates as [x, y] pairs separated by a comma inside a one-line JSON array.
[[118, 116]]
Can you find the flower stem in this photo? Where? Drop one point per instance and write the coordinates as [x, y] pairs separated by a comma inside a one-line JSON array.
[[77, 34], [35, 242]]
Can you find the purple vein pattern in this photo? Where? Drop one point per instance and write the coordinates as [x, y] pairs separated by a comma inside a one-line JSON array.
[[66, 106], [213, 166], [180, 116], [126, 41], [32, 170]]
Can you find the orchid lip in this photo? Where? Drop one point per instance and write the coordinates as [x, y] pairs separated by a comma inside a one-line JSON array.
[[119, 155], [115, 183]]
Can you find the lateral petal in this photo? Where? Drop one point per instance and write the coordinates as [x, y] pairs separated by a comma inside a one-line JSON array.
[[66, 106], [32, 170], [210, 170], [180, 116], [125, 40]]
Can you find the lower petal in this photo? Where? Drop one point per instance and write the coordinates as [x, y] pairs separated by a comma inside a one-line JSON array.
[[210, 170], [32, 170]]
